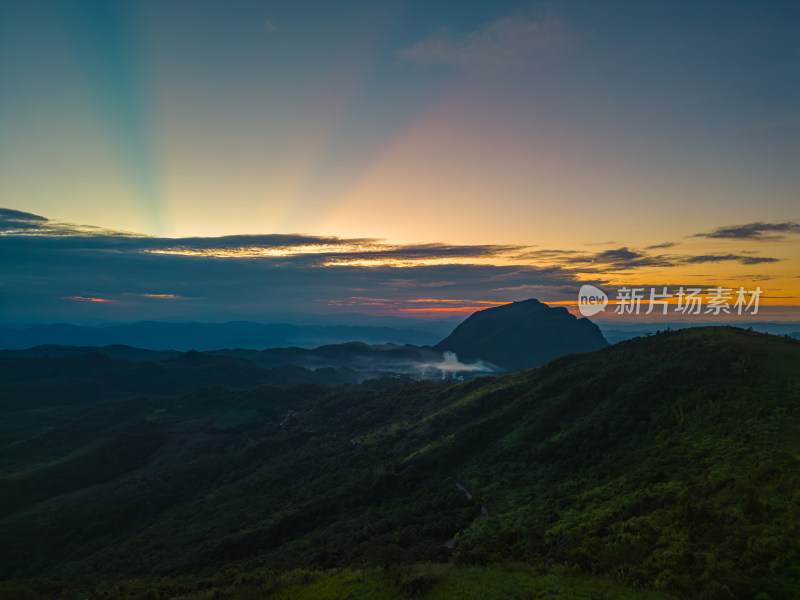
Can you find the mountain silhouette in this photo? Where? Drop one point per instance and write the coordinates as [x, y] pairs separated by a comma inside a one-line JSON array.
[[522, 335]]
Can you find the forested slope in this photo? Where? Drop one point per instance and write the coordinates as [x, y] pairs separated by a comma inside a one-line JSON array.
[[669, 463]]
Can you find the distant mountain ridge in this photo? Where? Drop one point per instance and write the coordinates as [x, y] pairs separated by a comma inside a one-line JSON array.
[[100, 378], [522, 335], [511, 337], [156, 335]]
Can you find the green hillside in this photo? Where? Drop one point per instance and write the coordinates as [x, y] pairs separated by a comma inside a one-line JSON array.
[[665, 466]]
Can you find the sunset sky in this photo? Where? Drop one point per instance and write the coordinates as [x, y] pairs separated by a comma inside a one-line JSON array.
[[392, 157]]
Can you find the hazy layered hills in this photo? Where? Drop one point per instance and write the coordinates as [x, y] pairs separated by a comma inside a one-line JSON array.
[[98, 378], [61, 373], [156, 335], [505, 338], [667, 463]]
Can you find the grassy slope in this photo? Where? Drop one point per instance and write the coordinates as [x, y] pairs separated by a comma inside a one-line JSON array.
[[669, 462], [679, 470]]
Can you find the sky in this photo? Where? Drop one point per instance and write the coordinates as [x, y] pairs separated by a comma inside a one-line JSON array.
[[177, 159]]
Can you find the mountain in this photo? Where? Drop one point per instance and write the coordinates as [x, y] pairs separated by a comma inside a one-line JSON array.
[[113, 350], [155, 335], [626, 330], [46, 381], [332, 364], [660, 467], [506, 338], [522, 335]]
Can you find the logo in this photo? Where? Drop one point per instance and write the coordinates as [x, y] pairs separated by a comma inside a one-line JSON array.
[[591, 300], [687, 301]]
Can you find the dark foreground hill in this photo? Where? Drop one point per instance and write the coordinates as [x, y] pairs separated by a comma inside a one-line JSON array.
[[522, 335], [665, 466]]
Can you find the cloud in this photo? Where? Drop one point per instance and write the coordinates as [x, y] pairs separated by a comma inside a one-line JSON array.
[[83, 299], [16, 222], [618, 258], [625, 259], [659, 246], [506, 42], [548, 254], [450, 365], [754, 231], [417, 305], [17, 216], [618, 255], [418, 253], [629, 259], [416, 283], [158, 296], [54, 271], [58, 271], [744, 259]]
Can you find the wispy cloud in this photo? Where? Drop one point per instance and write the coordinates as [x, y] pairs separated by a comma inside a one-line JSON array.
[[741, 258], [315, 250], [416, 283], [17, 222], [631, 259], [626, 259], [87, 299], [754, 231], [9, 215], [417, 305], [158, 296], [506, 42]]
